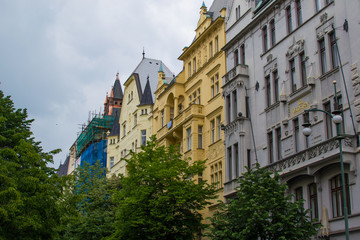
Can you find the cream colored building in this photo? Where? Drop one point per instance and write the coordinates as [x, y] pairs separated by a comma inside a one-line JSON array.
[[135, 121], [189, 110]]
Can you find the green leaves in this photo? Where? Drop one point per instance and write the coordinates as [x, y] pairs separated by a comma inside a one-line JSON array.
[[262, 210], [29, 190], [158, 199]]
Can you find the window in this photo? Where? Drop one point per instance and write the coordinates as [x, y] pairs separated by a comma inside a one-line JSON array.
[[236, 58], [268, 91], [278, 143], [234, 104], [228, 109], [171, 113], [242, 54], [194, 65], [188, 137], [238, 13], [215, 87], [248, 158], [313, 202], [143, 137], [317, 5], [237, 163], [298, 12], [200, 136], [212, 128], [333, 50], [270, 147], [322, 56], [111, 162], [189, 69], [216, 174], [124, 129], [272, 33], [328, 121], [303, 68], [276, 86], [216, 44], [340, 106], [265, 38], [162, 119], [135, 119], [194, 98], [337, 195], [211, 49], [289, 20], [229, 162], [296, 134], [292, 75], [218, 120], [299, 195], [133, 146], [136, 145]]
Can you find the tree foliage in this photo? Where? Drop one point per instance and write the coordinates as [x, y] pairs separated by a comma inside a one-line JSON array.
[[29, 189], [90, 210], [158, 198], [262, 210]]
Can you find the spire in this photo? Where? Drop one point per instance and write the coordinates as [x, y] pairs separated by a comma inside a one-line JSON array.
[[203, 5], [116, 90], [143, 53], [146, 98]]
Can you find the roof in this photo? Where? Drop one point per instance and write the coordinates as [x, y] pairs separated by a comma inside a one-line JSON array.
[[63, 168], [115, 129], [117, 89], [216, 6], [148, 68], [146, 98]]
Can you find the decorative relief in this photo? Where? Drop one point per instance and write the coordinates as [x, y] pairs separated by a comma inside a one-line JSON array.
[[232, 86], [309, 154], [324, 17], [295, 48], [269, 58], [356, 88]]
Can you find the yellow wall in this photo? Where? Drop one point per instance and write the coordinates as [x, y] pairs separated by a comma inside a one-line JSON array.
[[200, 67], [131, 138]]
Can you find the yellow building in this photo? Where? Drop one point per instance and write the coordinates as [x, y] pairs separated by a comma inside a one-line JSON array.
[[135, 121], [189, 110]]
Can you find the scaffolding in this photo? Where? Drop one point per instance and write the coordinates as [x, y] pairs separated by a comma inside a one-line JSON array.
[[95, 131]]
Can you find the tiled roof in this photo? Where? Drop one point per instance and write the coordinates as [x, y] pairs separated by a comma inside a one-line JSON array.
[[63, 168], [146, 96], [115, 129], [118, 93]]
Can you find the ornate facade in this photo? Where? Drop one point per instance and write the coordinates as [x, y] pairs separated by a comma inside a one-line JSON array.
[[281, 61]]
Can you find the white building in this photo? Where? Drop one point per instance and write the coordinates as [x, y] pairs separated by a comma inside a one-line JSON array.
[[281, 60]]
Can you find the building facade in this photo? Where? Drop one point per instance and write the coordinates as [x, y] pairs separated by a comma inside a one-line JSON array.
[[189, 110], [282, 59], [135, 121]]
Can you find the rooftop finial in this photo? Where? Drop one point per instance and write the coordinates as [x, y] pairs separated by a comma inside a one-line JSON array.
[[161, 67], [117, 76], [143, 53], [203, 5]]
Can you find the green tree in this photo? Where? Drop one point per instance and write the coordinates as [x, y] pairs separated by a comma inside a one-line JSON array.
[[262, 210], [158, 198], [90, 210], [29, 189]]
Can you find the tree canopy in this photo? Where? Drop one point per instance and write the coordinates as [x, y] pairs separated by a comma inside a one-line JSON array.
[[159, 198], [90, 209], [29, 189], [262, 210]]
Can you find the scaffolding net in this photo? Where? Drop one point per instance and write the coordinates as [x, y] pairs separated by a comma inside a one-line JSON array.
[[95, 131]]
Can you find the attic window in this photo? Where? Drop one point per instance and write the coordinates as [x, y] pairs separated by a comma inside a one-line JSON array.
[[150, 62], [157, 63]]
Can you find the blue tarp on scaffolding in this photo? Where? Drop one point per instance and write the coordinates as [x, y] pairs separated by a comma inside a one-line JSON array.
[[95, 152]]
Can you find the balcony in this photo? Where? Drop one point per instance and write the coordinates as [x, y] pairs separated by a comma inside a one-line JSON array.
[[318, 154], [242, 70]]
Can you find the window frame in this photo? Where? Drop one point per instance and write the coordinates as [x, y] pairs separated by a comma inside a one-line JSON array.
[[289, 25]]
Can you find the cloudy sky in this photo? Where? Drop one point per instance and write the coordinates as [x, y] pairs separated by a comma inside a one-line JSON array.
[[58, 58]]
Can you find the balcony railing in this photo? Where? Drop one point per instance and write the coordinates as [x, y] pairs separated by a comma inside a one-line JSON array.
[[310, 154], [238, 70]]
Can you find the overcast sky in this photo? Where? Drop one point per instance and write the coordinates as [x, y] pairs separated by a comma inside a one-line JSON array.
[[58, 58]]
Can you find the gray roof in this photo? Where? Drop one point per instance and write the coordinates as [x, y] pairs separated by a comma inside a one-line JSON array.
[[150, 67], [217, 5], [117, 89], [63, 168], [115, 130], [146, 98]]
